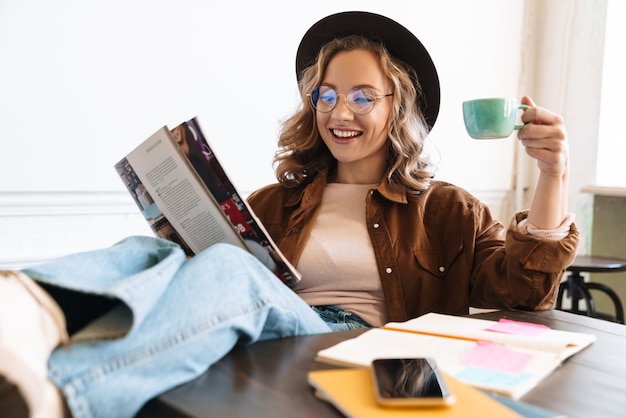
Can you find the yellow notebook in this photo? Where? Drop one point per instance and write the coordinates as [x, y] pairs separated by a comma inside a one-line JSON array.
[[351, 392]]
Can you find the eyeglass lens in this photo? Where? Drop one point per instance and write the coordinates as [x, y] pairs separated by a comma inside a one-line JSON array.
[[360, 100]]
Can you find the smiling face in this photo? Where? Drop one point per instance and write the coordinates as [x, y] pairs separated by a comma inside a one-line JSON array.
[[358, 142]]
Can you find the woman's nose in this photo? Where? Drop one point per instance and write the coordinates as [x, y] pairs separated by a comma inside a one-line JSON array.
[[341, 110]]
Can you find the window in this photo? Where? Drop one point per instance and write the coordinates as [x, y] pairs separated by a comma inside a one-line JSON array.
[[611, 167]]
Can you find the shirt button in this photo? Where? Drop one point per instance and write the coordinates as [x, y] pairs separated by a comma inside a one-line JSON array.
[[376, 226], [442, 269], [388, 270]]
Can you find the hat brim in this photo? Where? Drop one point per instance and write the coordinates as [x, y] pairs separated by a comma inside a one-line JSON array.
[[397, 39]]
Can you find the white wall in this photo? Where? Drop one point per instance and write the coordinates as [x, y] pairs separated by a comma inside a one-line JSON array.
[[81, 83], [612, 137]]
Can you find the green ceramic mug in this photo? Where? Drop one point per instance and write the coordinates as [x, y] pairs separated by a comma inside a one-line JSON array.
[[491, 118]]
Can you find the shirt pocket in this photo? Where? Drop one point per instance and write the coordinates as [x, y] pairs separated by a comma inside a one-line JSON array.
[[438, 263]]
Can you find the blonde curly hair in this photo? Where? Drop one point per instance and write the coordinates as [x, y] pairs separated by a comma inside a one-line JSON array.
[[302, 153]]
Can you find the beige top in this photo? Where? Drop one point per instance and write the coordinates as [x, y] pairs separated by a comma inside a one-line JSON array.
[[338, 264]]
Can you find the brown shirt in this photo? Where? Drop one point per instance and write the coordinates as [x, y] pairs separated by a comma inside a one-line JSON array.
[[438, 251]]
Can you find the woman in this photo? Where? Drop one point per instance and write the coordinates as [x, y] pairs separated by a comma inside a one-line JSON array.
[[373, 229], [356, 210]]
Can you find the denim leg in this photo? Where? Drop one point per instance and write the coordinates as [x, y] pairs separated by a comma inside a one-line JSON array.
[[136, 271], [220, 297]]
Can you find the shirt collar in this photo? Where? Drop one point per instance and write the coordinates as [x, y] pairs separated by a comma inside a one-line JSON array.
[[397, 195]]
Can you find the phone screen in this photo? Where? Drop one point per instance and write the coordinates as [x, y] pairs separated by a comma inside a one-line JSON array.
[[409, 381]]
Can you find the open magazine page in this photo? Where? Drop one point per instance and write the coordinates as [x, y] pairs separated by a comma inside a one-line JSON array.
[[194, 145], [164, 178], [159, 224]]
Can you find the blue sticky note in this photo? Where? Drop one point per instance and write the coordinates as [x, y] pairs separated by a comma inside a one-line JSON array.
[[491, 377]]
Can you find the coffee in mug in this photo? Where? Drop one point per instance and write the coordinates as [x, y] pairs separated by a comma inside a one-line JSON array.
[[491, 118]]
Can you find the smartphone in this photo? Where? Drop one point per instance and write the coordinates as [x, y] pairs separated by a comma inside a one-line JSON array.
[[410, 382]]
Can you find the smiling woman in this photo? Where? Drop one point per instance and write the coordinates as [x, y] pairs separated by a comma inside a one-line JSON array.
[[357, 140]]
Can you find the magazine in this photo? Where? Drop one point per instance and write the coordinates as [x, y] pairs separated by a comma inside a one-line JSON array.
[[185, 196]]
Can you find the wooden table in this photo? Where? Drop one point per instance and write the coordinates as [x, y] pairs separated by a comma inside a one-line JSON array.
[[268, 379]]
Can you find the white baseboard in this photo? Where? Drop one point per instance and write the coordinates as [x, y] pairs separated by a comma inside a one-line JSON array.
[[35, 227]]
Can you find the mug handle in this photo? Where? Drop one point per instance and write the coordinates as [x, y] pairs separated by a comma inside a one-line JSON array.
[[522, 107]]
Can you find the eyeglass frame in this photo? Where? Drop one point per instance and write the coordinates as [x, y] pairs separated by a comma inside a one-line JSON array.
[[374, 98]]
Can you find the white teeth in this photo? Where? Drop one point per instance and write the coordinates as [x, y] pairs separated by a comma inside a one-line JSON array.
[[345, 134]]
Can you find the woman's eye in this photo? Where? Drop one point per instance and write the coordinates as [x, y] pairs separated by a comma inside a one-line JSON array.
[[361, 100], [329, 98]]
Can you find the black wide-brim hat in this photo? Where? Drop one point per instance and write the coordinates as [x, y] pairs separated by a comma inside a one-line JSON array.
[[397, 39]]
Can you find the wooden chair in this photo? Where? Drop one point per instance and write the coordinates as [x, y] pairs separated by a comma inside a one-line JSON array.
[[578, 289]]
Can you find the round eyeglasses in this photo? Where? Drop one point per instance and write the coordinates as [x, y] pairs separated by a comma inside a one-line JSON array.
[[360, 100]]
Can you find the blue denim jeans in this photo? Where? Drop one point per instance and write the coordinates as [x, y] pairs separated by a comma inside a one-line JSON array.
[[178, 317], [339, 319]]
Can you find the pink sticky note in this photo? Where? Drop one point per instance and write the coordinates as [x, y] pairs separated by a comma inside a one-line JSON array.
[[508, 326], [492, 356]]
